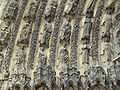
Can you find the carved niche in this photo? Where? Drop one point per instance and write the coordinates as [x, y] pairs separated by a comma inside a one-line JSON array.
[[51, 10], [95, 75], [65, 31], [12, 10], [46, 34], [71, 7], [25, 34], [70, 78], [44, 75]]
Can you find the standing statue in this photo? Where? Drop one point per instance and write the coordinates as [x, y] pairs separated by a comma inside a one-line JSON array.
[[51, 10], [71, 7], [65, 31], [20, 60], [42, 58], [46, 34], [12, 10], [25, 34], [63, 56], [5, 33]]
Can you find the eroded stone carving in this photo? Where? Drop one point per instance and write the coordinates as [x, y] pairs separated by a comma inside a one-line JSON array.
[[45, 75], [46, 34], [65, 31], [71, 7], [18, 74], [30, 15], [12, 10], [5, 33], [25, 34], [70, 76], [63, 56], [20, 60], [51, 10], [42, 58], [114, 75], [93, 75], [86, 33]]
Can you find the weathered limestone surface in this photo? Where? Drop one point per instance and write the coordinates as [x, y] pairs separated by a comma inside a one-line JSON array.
[[59, 44]]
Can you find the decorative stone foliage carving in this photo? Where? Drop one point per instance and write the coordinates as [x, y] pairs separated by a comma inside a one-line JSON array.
[[75, 34], [12, 10], [46, 34], [65, 31], [51, 10], [35, 32], [10, 46], [71, 7], [54, 37], [95, 34]]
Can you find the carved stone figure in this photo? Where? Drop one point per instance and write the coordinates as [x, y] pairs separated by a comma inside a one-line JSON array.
[[1, 59], [65, 31], [46, 34], [51, 9], [25, 34], [71, 7], [30, 15], [42, 58], [20, 60], [12, 10], [85, 54], [5, 33], [63, 55]]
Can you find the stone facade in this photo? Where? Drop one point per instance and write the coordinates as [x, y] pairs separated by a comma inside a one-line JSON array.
[[59, 44]]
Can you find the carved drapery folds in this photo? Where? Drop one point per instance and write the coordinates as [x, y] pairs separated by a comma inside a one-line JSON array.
[[65, 31], [44, 41], [63, 58]]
